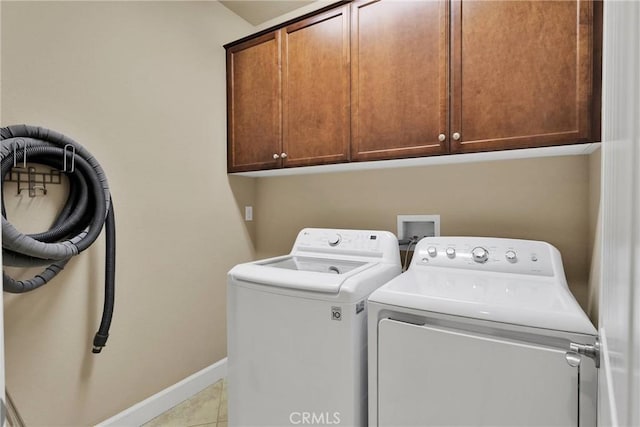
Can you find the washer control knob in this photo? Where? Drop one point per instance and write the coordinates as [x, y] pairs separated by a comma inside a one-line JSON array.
[[480, 255], [511, 257], [432, 251], [334, 240], [451, 253]]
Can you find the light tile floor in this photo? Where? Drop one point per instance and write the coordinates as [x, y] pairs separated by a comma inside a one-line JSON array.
[[207, 408]]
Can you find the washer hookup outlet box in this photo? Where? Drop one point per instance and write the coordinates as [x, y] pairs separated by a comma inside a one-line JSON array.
[[410, 226]]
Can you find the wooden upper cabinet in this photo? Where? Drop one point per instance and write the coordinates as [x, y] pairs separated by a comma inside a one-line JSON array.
[[254, 104], [399, 72], [315, 73], [386, 79], [523, 74]]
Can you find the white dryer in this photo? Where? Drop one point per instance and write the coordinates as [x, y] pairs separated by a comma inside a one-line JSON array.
[[297, 329], [481, 332]]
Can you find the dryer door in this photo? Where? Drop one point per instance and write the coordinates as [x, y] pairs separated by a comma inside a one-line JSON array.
[[437, 377]]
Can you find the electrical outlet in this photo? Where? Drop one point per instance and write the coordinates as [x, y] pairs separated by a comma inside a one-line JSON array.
[[248, 213]]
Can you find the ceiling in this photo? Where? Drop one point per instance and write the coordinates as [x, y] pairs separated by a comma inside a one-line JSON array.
[[260, 11]]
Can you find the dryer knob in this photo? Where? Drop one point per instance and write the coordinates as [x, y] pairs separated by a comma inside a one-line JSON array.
[[480, 255], [432, 251], [511, 257], [451, 253], [334, 240]]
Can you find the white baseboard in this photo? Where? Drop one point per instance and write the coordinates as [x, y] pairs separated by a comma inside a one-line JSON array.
[[166, 399]]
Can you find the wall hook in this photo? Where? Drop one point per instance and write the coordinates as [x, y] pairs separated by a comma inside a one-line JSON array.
[[73, 158], [15, 154]]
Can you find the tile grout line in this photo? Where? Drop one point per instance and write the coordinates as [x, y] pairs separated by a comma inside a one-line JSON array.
[[221, 399]]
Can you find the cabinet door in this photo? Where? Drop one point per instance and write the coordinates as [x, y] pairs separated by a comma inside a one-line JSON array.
[[254, 104], [522, 74], [316, 89], [399, 78]]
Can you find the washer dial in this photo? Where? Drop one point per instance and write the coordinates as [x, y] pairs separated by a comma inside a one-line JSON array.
[[335, 239]]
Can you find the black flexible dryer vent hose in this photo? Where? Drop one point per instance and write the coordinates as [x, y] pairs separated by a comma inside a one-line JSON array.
[[87, 209]]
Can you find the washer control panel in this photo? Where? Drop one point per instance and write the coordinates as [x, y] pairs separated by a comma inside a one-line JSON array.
[[488, 254], [379, 244]]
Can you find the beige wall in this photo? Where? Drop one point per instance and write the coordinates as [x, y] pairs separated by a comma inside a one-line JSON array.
[[142, 86], [542, 199]]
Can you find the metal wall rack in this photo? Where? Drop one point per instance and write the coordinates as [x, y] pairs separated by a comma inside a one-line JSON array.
[[31, 180]]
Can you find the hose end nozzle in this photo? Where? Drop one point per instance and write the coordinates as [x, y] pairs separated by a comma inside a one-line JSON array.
[[99, 341]]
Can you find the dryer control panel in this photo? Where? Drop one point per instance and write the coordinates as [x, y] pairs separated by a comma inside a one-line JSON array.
[[489, 254]]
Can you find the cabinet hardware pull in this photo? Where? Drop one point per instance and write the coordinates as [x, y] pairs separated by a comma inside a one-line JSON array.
[[283, 155], [276, 156], [442, 137], [456, 136]]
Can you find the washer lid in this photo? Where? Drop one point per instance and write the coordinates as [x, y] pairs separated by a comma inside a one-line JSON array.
[[500, 297], [319, 265], [301, 273]]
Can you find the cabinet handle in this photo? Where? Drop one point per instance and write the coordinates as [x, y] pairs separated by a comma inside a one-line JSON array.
[[283, 155], [276, 156], [442, 137], [456, 136]]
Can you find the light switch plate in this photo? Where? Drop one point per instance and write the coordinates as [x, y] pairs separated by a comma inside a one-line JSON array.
[[248, 213]]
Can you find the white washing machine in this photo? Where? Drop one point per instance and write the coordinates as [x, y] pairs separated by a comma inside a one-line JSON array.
[[481, 332], [297, 329]]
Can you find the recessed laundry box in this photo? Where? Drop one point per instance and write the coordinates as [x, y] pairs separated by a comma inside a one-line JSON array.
[[481, 332], [297, 329]]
